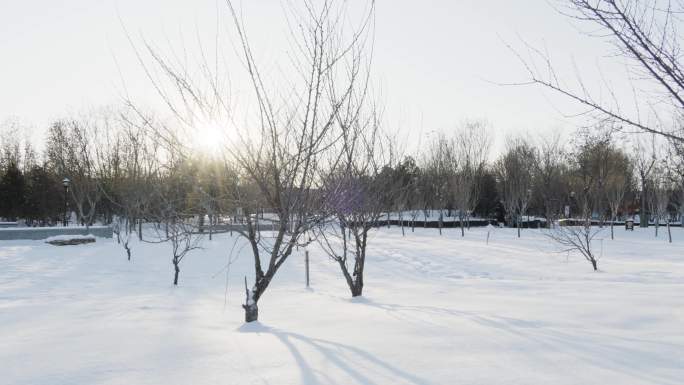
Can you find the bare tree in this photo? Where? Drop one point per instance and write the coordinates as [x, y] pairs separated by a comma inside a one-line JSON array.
[[617, 183], [122, 229], [675, 167], [515, 173], [141, 164], [183, 238], [601, 161], [579, 238], [10, 143], [278, 159], [295, 136], [71, 151], [174, 209], [646, 33], [644, 163], [659, 199], [128, 169], [425, 190], [355, 191], [405, 196], [606, 169], [549, 177], [439, 168], [471, 150], [180, 232]]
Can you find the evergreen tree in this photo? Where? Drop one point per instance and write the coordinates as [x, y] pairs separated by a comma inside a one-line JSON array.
[[44, 196], [489, 197], [12, 192]]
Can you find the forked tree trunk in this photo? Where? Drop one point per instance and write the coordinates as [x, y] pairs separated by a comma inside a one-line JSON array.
[[357, 290], [355, 279], [355, 284], [250, 305], [251, 312]]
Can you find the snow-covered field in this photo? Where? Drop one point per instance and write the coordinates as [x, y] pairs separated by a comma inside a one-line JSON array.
[[436, 310]]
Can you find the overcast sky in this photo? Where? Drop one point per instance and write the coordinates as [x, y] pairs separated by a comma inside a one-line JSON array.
[[435, 61]]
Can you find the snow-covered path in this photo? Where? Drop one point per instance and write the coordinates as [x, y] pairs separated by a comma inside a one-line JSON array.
[[436, 310]]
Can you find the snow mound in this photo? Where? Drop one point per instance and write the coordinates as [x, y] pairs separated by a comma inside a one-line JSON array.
[[63, 240]]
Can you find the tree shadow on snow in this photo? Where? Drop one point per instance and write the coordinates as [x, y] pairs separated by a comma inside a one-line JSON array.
[[626, 355], [362, 367]]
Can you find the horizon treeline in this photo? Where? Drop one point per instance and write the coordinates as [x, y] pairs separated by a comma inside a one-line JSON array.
[[123, 165]]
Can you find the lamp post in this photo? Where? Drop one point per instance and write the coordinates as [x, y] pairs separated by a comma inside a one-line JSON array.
[[65, 183]]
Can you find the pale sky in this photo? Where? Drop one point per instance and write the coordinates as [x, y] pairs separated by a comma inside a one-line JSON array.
[[434, 60]]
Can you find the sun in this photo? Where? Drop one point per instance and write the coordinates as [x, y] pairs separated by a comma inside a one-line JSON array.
[[209, 137]]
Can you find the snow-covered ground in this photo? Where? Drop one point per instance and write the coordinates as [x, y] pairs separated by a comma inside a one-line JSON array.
[[436, 310], [69, 237]]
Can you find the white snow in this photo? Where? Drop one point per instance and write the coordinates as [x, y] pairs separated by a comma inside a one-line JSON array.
[[68, 237], [436, 310], [55, 228]]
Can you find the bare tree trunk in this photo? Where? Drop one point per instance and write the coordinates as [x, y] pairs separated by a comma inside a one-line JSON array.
[[439, 224], [176, 271], [357, 290], [643, 216], [669, 233], [612, 222], [250, 306], [251, 312], [401, 219]]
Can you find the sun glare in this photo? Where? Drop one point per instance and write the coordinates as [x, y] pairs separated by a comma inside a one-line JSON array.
[[209, 137]]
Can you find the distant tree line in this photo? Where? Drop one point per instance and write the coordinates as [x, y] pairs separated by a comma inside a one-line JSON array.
[[118, 166]]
